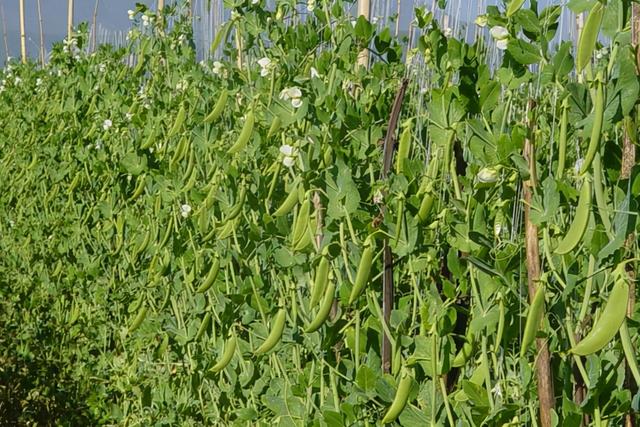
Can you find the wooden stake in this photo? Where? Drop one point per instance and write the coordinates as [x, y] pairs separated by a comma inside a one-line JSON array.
[[40, 24], [364, 10], [543, 364], [69, 19], [23, 36], [160, 5], [94, 24]]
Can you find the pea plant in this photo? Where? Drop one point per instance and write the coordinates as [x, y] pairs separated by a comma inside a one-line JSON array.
[[285, 235]]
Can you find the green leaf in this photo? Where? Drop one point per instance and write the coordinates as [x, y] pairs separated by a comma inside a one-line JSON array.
[[366, 378], [523, 52]]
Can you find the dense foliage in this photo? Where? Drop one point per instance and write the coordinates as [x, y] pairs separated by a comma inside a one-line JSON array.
[[156, 218]]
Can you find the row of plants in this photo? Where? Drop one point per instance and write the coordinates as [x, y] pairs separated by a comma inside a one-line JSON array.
[[190, 243]]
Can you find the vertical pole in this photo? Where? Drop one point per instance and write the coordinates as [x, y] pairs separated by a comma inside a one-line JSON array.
[[40, 24], [364, 7], [160, 5], [69, 19], [94, 25], [532, 247], [23, 37]]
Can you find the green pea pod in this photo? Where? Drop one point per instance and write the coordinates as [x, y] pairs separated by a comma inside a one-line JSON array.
[[324, 310], [629, 351], [181, 149], [225, 231], [364, 270], [211, 277], [608, 325], [277, 327], [245, 134], [204, 325], [320, 283], [600, 197], [400, 399], [465, 352], [140, 185], [596, 130], [404, 146], [275, 127], [562, 140], [221, 35], [425, 207], [143, 245], [151, 139], [218, 108], [514, 6], [500, 332], [167, 232], [227, 355], [237, 208], [589, 36], [536, 311], [307, 236], [137, 321], [579, 224], [177, 125], [290, 201], [162, 347], [302, 222]]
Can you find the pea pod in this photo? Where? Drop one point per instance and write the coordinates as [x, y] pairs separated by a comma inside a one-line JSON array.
[[562, 140], [589, 36], [425, 207], [211, 277], [600, 197], [139, 189], [245, 134], [307, 236], [218, 108], [579, 224], [465, 352], [596, 130], [290, 201], [302, 222], [364, 269], [514, 6], [204, 325], [275, 126], [227, 355], [610, 320], [324, 310], [320, 283], [162, 347], [177, 125], [404, 146], [237, 208], [151, 139], [277, 327], [536, 311], [400, 399], [629, 351], [137, 321], [181, 149], [167, 232]]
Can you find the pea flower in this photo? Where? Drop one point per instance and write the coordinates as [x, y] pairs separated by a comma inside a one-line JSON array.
[[314, 73], [131, 14], [185, 210], [106, 125], [448, 32], [488, 175], [294, 94], [501, 36], [290, 153], [217, 68], [311, 5], [481, 21], [265, 66]]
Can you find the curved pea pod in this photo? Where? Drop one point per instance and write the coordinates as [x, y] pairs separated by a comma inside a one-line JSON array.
[[227, 355], [275, 127], [579, 224], [204, 325], [211, 277], [562, 140], [400, 399], [596, 130], [629, 351], [162, 347], [245, 134], [218, 108], [224, 231], [404, 147], [324, 310], [513, 7], [291, 200], [237, 208], [320, 282], [465, 352], [302, 222], [137, 321], [151, 139], [589, 36], [277, 328], [608, 325], [139, 189], [307, 237], [364, 270], [143, 244], [177, 125], [181, 150], [167, 232], [536, 311]]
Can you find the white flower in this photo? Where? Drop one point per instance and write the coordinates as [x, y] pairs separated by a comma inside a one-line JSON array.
[[502, 44], [290, 153], [266, 66], [234, 15], [217, 67], [185, 210], [378, 197], [488, 175], [497, 390], [481, 21], [314, 73], [181, 38], [448, 32], [128, 116], [182, 85], [106, 125], [578, 165], [17, 80], [98, 145], [102, 68], [145, 20], [353, 23], [294, 94], [255, 1], [499, 33], [375, 20], [296, 102], [311, 5], [131, 14], [38, 81], [1, 88]]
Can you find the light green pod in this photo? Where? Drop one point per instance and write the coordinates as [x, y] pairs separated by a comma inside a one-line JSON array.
[[277, 328], [536, 311], [579, 224], [400, 399]]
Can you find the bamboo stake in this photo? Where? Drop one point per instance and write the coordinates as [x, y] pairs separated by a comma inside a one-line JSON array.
[[40, 24], [364, 7], [543, 363], [23, 37], [94, 25], [4, 31], [69, 19], [160, 5]]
